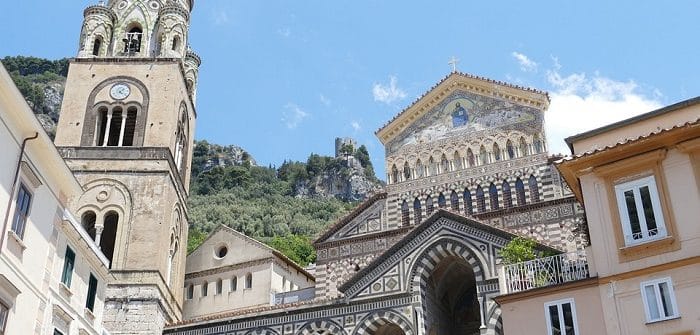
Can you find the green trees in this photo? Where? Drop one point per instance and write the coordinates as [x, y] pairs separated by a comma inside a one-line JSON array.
[[518, 250]]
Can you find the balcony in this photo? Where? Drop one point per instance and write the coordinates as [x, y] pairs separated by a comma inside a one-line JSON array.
[[547, 271]]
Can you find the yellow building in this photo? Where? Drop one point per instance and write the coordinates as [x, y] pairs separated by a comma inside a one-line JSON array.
[[639, 182]]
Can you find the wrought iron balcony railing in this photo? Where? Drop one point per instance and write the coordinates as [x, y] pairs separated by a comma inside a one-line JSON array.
[[545, 271]]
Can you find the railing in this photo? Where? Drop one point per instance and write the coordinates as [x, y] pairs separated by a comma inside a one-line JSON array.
[[294, 296], [545, 271]]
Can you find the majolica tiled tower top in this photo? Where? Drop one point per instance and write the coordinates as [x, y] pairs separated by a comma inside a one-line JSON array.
[[126, 130]]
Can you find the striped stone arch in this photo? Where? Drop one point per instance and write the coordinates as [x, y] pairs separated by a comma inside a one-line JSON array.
[[321, 327], [495, 324], [262, 331], [431, 256], [371, 323]]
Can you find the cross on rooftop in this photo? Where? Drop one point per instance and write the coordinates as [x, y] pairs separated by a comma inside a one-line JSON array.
[[453, 61]]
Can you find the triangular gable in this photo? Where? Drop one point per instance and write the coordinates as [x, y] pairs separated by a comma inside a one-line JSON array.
[[364, 219], [390, 272], [240, 248], [469, 86]]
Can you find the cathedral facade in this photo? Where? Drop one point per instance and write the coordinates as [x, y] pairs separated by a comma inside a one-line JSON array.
[[468, 170]]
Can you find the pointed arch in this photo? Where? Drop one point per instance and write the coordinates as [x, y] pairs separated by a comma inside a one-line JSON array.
[[442, 203], [520, 192], [88, 220], [394, 174], [507, 196], [496, 152], [428, 205], [321, 327], [417, 214], [483, 156], [457, 161], [493, 197], [249, 280], [444, 164], [109, 236], [432, 165], [523, 147], [468, 207], [470, 158], [372, 323], [510, 150], [234, 284], [420, 169], [406, 171], [480, 200], [537, 144], [405, 214], [454, 201], [534, 189]]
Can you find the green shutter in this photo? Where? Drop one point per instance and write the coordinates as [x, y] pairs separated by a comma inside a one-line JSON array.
[[92, 292], [68, 265]]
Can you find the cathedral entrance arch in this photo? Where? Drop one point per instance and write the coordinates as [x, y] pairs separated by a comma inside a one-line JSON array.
[[384, 323], [322, 327], [446, 275]]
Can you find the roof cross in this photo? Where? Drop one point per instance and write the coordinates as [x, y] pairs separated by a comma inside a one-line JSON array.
[[453, 61]]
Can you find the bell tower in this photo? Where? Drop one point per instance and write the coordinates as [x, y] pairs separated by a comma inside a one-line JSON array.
[[126, 130]]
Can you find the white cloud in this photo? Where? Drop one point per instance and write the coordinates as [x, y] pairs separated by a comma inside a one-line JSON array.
[[293, 115], [220, 17], [526, 64], [284, 32], [325, 101], [355, 125], [388, 93], [580, 103]]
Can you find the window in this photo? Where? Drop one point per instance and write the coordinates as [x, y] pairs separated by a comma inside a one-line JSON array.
[[249, 280], [510, 149], [116, 128], [219, 286], [92, 292], [483, 156], [234, 284], [507, 197], [68, 265], [4, 310], [457, 161], [429, 205], [96, 47], [405, 216], [406, 172], [493, 197], [24, 200], [132, 42], [520, 192], [468, 207], [109, 235], [442, 203], [454, 201], [88, 222], [394, 174], [523, 147], [205, 289], [444, 164], [659, 300], [420, 170], [480, 200], [561, 317], [417, 213], [57, 332], [470, 158], [534, 189], [496, 152], [640, 210], [190, 292]]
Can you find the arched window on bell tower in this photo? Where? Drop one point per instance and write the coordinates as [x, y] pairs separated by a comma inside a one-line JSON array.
[[116, 126], [109, 235], [181, 139], [132, 41], [97, 46]]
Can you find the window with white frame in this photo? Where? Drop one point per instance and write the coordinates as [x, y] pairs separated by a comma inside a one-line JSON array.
[[640, 210], [23, 203], [659, 300], [561, 317]]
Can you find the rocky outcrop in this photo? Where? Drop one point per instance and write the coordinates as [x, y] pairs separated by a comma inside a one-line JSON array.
[[346, 181]]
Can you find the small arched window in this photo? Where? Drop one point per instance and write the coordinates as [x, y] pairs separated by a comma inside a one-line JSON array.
[[109, 235], [534, 189], [520, 192], [483, 156], [537, 144], [493, 197], [405, 215], [442, 203], [205, 289], [480, 200], [234, 284], [189, 292], [510, 150], [176, 43], [454, 201], [249, 280], [432, 165], [470, 158], [116, 128], [406, 171], [523, 147], [88, 222], [468, 207], [420, 170], [219, 286], [496, 152], [507, 197], [428, 205], [96, 46], [457, 161], [417, 214], [132, 42], [394, 174], [444, 164]]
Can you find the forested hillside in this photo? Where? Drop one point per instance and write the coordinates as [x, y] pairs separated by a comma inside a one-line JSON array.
[[285, 207]]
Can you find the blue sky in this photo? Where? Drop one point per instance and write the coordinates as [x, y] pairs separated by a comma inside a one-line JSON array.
[[282, 79]]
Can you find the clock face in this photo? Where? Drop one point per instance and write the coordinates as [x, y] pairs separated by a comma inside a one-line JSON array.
[[119, 91]]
